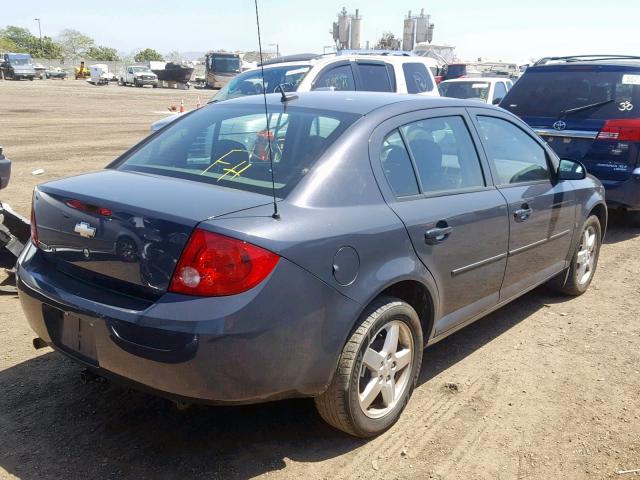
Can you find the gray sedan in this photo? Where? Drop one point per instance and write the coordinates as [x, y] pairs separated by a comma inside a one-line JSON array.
[[316, 249]]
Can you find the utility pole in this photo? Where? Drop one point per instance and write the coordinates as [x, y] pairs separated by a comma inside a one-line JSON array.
[[277, 48], [40, 32]]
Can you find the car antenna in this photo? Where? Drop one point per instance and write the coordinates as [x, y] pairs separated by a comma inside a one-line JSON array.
[[275, 214]]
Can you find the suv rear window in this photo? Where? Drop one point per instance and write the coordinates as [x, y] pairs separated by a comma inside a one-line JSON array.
[[550, 92], [228, 145]]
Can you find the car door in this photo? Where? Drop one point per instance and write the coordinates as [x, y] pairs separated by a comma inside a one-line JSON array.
[[431, 175], [541, 209]]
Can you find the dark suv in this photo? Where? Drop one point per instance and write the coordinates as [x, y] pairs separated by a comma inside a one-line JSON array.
[[587, 108]]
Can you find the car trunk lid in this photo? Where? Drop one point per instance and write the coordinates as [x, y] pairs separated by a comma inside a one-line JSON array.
[[125, 231]]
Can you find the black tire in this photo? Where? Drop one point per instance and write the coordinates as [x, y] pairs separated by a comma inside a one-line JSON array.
[[633, 218], [572, 282], [339, 405]]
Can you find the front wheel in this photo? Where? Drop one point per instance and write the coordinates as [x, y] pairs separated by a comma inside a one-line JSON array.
[[377, 371], [584, 262]]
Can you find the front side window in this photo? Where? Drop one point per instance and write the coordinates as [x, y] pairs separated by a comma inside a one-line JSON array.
[[338, 78], [417, 77], [397, 167], [516, 157], [374, 77], [444, 154], [229, 146]]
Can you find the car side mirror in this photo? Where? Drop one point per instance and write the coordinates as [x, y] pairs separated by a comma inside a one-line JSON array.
[[496, 101], [571, 170]]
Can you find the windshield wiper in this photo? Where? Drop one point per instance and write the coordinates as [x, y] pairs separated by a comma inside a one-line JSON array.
[[564, 113]]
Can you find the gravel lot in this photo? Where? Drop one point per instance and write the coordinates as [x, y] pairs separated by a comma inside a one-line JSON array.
[[547, 387]]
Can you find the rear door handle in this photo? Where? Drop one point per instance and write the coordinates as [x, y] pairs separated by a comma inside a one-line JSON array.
[[522, 214], [437, 235]]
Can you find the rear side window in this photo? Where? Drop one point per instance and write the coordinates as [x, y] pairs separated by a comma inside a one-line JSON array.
[[374, 77], [516, 157], [499, 91], [229, 146], [397, 167], [555, 91], [444, 154], [417, 77], [337, 78]]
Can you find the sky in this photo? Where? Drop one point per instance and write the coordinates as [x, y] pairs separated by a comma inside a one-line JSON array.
[[509, 30]]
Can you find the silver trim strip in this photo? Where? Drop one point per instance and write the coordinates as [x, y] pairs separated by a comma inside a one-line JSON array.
[[515, 251], [481, 263], [550, 132]]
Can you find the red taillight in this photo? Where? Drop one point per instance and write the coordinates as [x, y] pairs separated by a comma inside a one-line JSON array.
[[215, 265], [78, 205], [34, 228], [621, 130]]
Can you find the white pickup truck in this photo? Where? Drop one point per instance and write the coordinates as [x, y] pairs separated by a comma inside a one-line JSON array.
[[138, 76]]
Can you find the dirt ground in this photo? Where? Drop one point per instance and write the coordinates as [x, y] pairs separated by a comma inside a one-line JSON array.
[[547, 387]]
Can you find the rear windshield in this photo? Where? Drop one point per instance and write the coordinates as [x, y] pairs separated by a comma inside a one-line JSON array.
[[555, 92], [467, 90], [250, 83], [228, 145]]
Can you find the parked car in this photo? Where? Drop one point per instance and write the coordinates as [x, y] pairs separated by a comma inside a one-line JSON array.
[[17, 66], [484, 89], [138, 76], [587, 109], [56, 73], [396, 225], [458, 70], [347, 72]]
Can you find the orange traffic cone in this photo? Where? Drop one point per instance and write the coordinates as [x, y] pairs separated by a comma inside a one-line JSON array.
[[182, 105], [198, 105]]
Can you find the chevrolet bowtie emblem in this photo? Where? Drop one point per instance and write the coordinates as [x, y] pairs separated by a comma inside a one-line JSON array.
[[85, 230]]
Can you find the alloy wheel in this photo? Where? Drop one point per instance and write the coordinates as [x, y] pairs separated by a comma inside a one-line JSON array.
[[386, 369]]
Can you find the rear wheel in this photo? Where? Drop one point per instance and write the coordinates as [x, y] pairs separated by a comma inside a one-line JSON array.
[[377, 371], [584, 262]]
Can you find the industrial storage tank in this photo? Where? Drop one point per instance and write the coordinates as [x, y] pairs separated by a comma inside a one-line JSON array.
[[343, 28], [356, 23], [422, 28], [408, 33]]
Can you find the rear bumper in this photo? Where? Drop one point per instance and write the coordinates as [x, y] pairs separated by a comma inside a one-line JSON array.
[[280, 339], [624, 194]]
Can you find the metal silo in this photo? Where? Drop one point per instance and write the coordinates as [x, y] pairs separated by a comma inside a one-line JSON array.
[[422, 28], [356, 23], [343, 29], [408, 33]]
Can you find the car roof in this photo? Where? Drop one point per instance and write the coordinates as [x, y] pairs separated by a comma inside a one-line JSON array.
[[476, 79], [321, 61], [577, 65], [360, 103]]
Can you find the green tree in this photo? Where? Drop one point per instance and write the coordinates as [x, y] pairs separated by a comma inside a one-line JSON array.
[[74, 44], [147, 55], [48, 48], [104, 54], [7, 45], [388, 41], [21, 38]]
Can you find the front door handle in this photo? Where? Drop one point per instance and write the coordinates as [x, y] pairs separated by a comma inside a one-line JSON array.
[[522, 214], [437, 235]]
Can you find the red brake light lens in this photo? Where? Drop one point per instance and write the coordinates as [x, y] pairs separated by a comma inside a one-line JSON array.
[[216, 265], [621, 130]]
